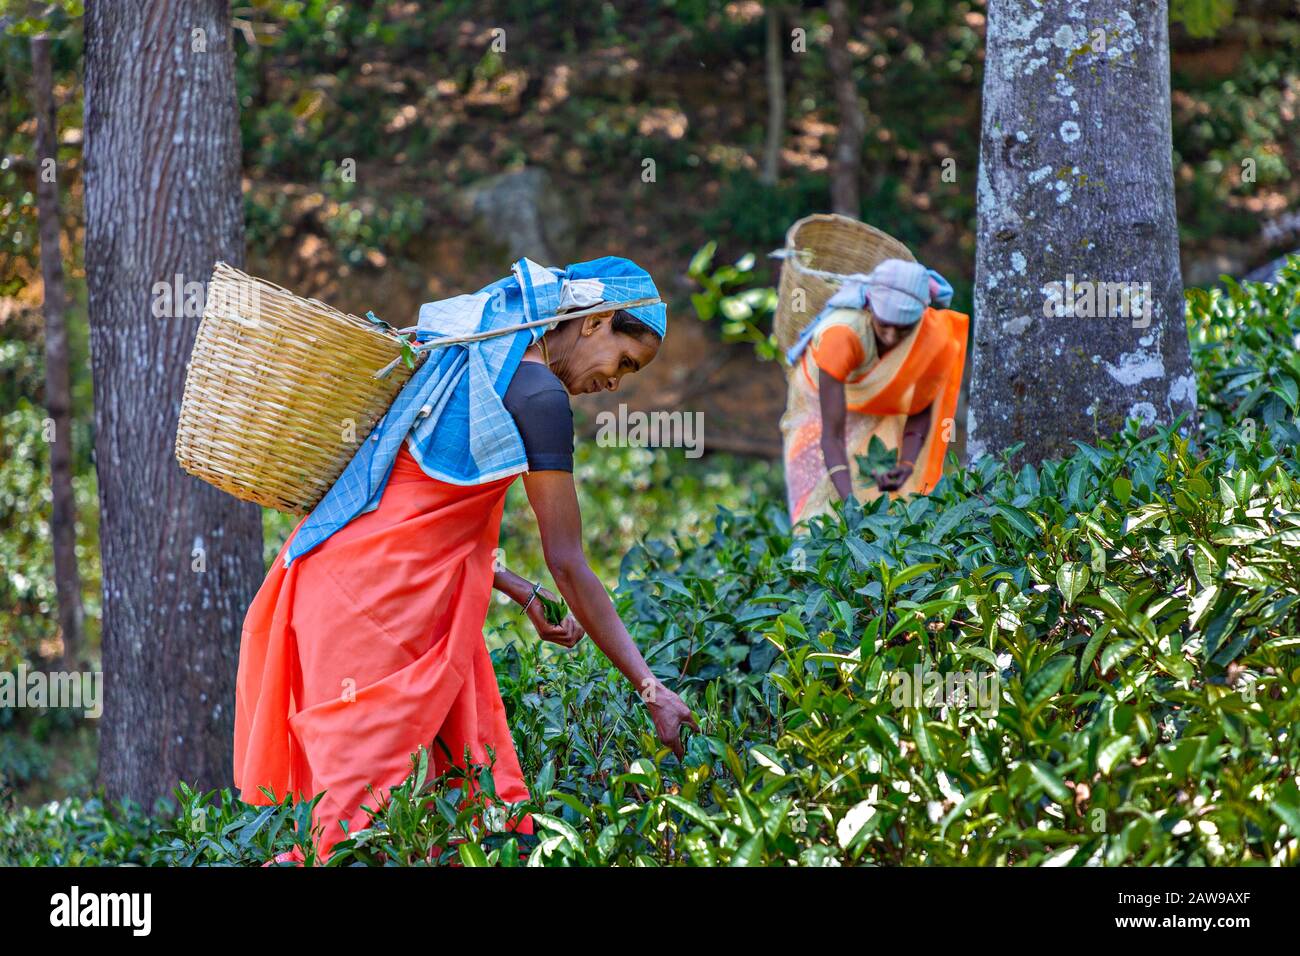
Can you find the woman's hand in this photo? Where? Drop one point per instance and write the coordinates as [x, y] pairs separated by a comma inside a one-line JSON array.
[[893, 479], [567, 633], [669, 714], [520, 590]]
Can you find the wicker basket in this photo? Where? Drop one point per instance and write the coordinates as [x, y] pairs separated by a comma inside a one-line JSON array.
[[280, 392], [826, 243]]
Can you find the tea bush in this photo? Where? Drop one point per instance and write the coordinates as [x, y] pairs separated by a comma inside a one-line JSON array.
[[77, 832], [1135, 607], [1090, 662]]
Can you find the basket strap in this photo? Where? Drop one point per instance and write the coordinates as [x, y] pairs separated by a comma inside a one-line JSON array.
[[511, 329]]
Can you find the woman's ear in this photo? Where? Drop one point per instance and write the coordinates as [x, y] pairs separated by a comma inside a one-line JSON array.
[[592, 323]]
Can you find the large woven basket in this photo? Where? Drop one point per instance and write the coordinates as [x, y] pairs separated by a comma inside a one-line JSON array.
[[825, 243], [280, 392]]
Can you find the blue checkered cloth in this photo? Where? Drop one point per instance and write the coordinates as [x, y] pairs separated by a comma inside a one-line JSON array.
[[897, 291], [451, 414]]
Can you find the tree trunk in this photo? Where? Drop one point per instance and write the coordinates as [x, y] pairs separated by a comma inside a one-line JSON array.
[[1075, 203], [181, 560], [775, 96], [58, 391], [847, 162]]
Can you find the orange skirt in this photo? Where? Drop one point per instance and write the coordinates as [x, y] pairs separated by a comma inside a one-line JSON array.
[[370, 646]]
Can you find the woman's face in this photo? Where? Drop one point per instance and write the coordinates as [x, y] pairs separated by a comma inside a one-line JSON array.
[[594, 358], [888, 335]]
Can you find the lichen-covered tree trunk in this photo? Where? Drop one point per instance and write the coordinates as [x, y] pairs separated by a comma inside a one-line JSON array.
[[181, 560], [58, 390], [1078, 293]]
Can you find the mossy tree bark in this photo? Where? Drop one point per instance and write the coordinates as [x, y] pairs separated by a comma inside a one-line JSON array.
[[181, 560], [1078, 291]]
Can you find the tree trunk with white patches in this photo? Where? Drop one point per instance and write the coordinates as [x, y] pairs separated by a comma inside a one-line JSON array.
[[181, 560], [1076, 191], [58, 389]]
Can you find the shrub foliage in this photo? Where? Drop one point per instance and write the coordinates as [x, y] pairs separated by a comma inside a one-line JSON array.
[[1091, 662]]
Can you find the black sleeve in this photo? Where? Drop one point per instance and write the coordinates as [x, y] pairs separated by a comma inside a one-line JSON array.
[[540, 408]]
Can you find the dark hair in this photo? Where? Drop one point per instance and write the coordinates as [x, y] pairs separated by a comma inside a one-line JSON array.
[[627, 323]]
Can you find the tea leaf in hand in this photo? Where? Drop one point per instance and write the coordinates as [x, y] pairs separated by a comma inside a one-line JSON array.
[[554, 611], [878, 459]]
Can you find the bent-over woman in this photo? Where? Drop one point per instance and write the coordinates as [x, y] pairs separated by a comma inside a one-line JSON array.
[[879, 361], [366, 639]]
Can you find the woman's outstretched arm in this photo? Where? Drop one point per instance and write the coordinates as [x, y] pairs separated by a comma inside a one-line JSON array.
[[834, 451], [559, 520]]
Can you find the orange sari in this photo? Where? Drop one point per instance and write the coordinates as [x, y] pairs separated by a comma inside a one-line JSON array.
[[371, 645], [922, 372]]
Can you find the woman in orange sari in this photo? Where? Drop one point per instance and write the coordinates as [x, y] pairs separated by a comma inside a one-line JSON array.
[[365, 641], [879, 361]]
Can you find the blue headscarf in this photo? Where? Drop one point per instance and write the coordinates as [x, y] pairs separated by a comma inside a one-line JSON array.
[[620, 280]]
